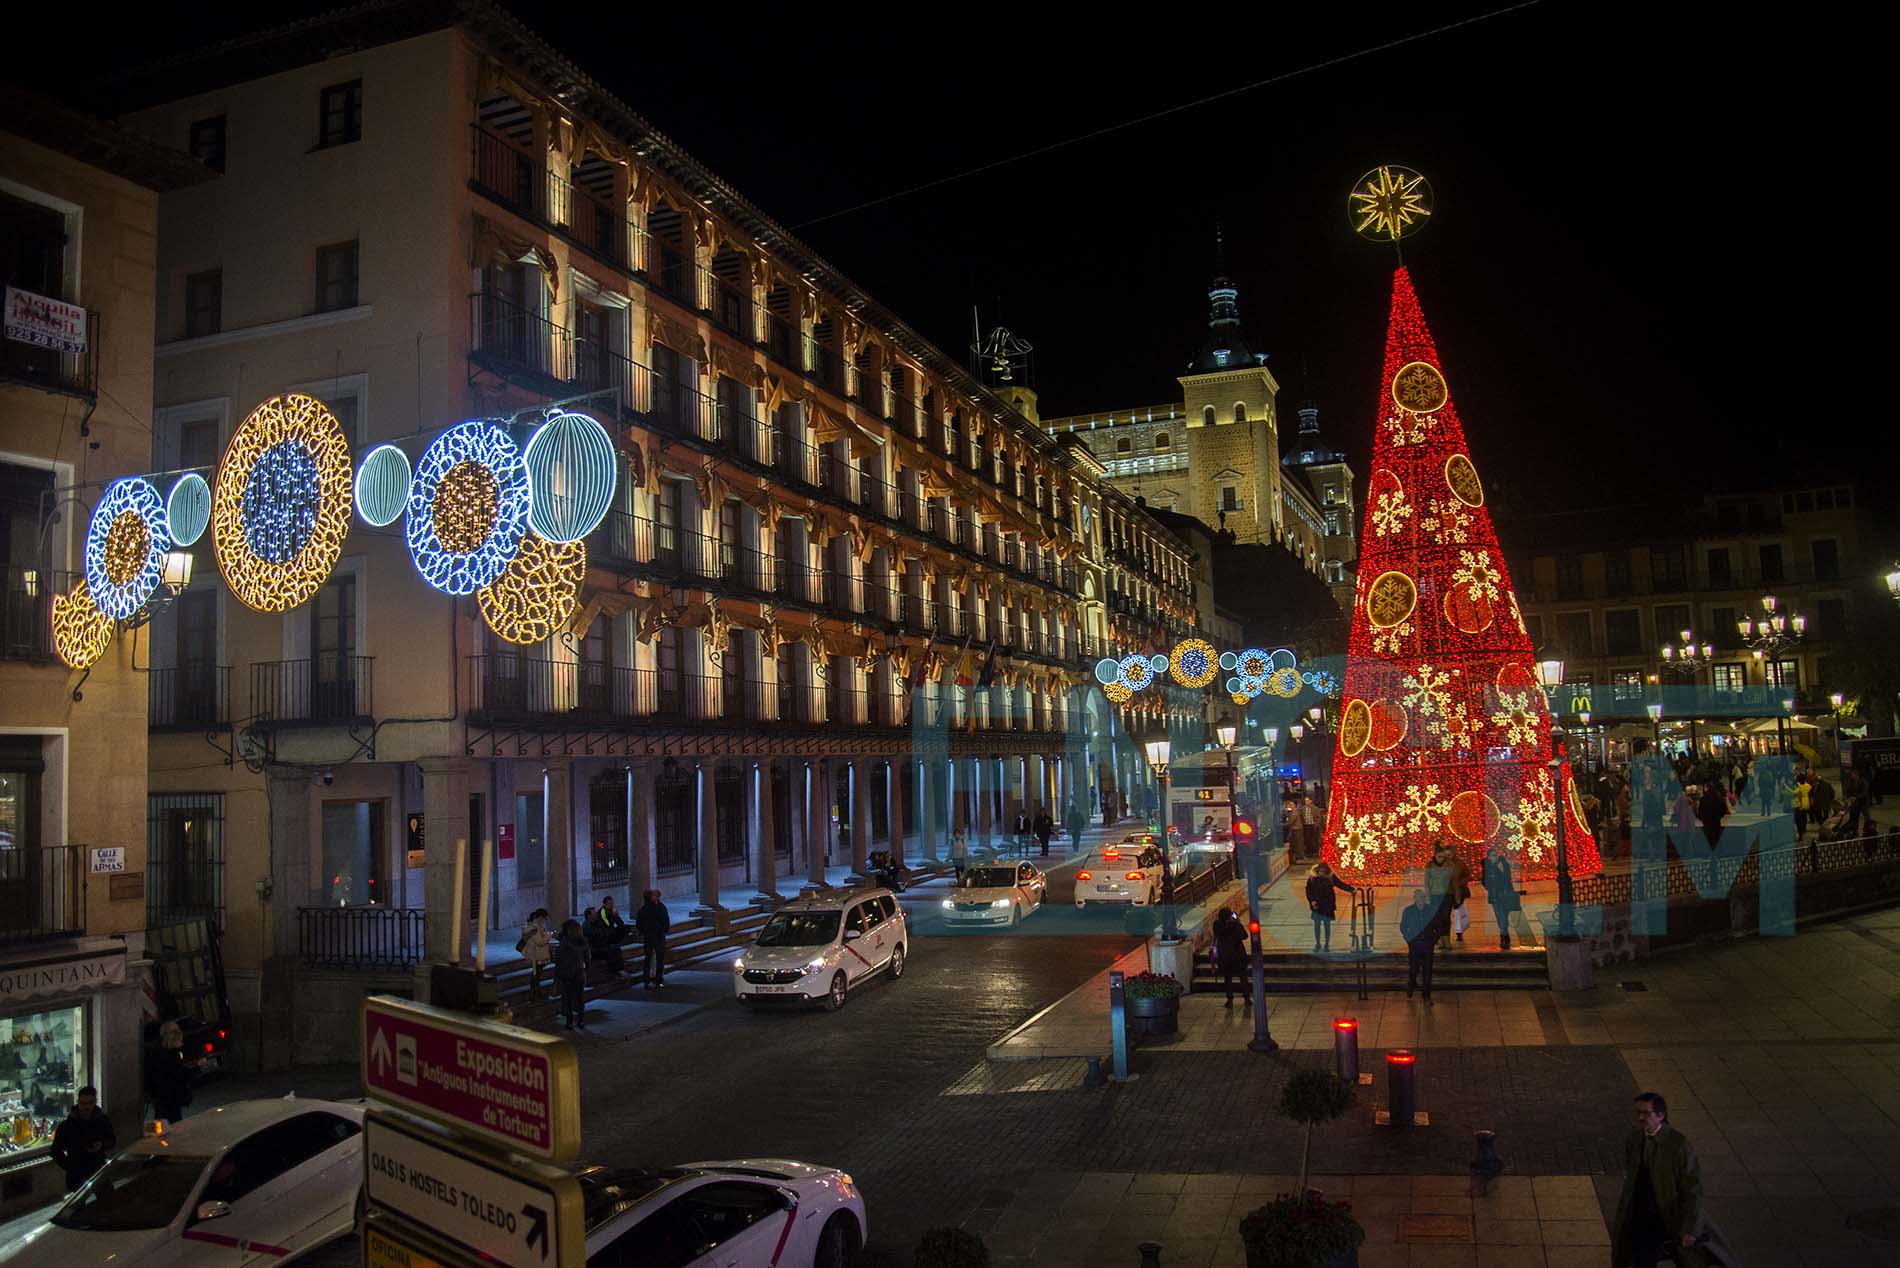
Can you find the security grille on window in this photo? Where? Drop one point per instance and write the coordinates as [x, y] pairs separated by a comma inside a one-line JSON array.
[[336, 277], [341, 118], [184, 858]]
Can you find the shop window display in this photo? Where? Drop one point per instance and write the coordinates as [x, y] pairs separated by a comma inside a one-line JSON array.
[[43, 1063]]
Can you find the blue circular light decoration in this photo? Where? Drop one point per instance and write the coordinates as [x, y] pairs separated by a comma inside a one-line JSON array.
[[282, 494], [1108, 670], [456, 567], [572, 468], [188, 508], [1135, 672], [382, 485], [125, 547], [1159, 664], [1284, 659], [1228, 661], [1233, 685]]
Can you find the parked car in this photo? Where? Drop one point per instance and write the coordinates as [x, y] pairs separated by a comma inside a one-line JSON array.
[[1120, 875], [995, 894], [750, 1213], [818, 949], [251, 1182]]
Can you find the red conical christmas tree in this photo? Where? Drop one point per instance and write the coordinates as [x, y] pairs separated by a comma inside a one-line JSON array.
[[1444, 734]]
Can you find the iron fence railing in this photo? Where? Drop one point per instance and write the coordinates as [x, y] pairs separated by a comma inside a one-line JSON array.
[[189, 698], [26, 611], [67, 373], [325, 689], [42, 892], [361, 937]]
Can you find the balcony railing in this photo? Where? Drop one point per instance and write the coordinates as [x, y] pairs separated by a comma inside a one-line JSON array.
[[586, 221], [189, 698], [67, 373], [510, 339], [26, 612], [327, 690], [506, 173], [361, 937], [42, 892]]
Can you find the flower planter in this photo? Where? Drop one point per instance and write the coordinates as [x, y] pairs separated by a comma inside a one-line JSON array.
[[1153, 1016]]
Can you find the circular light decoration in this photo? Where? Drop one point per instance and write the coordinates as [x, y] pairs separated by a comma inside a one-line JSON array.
[[1234, 689], [125, 547], [1284, 682], [1391, 599], [1108, 670], [1193, 663], [1136, 673], [1253, 663], [1355, 728], [1419, 387], [281, 506], [1389, 203], [382, 486], [1159, 664], [188, 508], [1240, 698], [572, 467], [1117, 693], [1228, 660], [1462, 479], [80, 630], [468, 507], [537, 591]]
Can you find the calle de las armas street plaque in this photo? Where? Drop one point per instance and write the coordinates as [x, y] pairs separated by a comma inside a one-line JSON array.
[[513, 1212], [502, 1084]]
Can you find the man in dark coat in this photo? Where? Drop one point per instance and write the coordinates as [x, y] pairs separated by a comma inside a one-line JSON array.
[[1659, 1216], [653, 920], [1500, 890], [83, 1142], [1045, 828], [601, 943], [1323, 903], [1711, 810], [168, 1074], [1230, 953], [570, 973], [1418, 925]]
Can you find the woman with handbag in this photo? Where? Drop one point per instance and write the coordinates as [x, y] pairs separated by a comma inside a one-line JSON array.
[[533, 945]]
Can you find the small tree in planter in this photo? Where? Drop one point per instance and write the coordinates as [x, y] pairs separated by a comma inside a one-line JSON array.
[[950, 1248], [1155, 1000], [1302, 1229]]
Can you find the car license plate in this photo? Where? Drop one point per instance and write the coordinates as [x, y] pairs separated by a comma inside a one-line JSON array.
[[1105, 889], [772, 990]]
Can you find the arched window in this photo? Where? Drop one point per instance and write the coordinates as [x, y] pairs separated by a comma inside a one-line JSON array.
[[1161, 440], [1240, 411], [1124, 445], [1207, 416]]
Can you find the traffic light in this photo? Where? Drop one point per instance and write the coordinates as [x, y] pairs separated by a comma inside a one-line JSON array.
[[1246, 836]]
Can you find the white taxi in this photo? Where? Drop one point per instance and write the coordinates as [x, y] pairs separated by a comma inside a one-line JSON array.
[[253, 1182], [748, 1213], [818, 949], [1120, 874], [995, 894]]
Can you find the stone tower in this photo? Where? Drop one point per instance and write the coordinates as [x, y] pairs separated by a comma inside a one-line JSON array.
[[1232, 432]]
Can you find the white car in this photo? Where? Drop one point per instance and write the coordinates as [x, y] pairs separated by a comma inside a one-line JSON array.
[[819, 948], [254, 1182], [751, 1213], [995, 894], [1120, 874]]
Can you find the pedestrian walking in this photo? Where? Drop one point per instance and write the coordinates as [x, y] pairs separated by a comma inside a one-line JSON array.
[[534, 947], [1659, 1216], [1500, 891], [1078, 822], [570, 973], [1821, 800], [1801, 802], [1310, 823], [1230, 952], [1021, 832], [169, 1074], [1322, 901], [1045, 828], [1418, 925], [1712, 809], [1460, 918], [653, 921], [1439, 877], [83, 1142]]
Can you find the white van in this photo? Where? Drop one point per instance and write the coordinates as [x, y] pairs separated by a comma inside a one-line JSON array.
[[818, 948]]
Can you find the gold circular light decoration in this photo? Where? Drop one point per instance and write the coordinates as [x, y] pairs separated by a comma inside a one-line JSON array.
[[1391, 599], [1240, 698], [80, 630], [281, 506], [1576, 802], [1419, 387], [1473, 818], [1118, 693], [1462, 479], [127, 542], [537, 592], [466, 507], [1467, 613], [1284, 682], [1389, 203], [1388, 725], [1194, 663], [1355, 728]]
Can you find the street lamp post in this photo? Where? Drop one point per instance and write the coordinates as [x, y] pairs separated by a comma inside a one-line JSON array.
[[1262, 1040], [1158, 754], [1655, 710], [1552, 672]]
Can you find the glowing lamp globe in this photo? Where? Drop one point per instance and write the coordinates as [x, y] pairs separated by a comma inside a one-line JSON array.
[[188, 508], [572, 468], [382, 486]]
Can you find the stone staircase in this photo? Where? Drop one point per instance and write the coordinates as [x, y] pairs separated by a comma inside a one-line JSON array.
[[1300, 972]]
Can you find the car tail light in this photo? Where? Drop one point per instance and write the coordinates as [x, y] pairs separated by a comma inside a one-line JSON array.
[[220, 1034], [207, 1047], [1134, 876], [1111, 854], [1085, 876]]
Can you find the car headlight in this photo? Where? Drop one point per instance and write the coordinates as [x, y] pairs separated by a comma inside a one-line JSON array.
[[738, 965], [1001, 902], [949, 903], [814, 965]]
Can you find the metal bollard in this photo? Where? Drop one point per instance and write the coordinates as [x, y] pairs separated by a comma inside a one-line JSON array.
[[1150, 1254], [1486, 1166], [1346, 1048], [1094, 1078], [1399, 1068], [1117, 1024]]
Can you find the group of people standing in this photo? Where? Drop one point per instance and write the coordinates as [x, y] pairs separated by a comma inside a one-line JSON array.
[[1034, 827], [600, 934], [1438, 914]]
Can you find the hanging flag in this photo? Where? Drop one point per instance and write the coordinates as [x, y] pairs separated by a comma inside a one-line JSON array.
[[963, 667]]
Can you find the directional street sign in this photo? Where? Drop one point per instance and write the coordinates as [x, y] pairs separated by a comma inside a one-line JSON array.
[[513, 1212], [515, 1087]]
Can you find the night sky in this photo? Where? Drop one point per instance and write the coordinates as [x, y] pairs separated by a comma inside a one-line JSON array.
[[1646, 273]]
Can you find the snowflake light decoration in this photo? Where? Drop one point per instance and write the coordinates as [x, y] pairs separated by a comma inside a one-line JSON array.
[[468, 507], [537, 591], [1530, 830], [1361, 836], [126, 543], [1477, 574], [1388, 641], [1446, 517], [1390, 511], [1427, 690], [1517, 715], [1421, 809], [1408, 428], [281, 506], [1456, 728]]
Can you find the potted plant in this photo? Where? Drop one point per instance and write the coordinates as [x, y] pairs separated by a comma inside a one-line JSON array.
[[1153, 1000], [1302, 1229], [950, 1248]]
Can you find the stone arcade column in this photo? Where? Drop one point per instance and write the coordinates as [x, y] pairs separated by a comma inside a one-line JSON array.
[[506, 912], [445, 821], [706, 848], [558, 801], [817, 819], [860, 813], [764, 829], [640, 828], [986, 774]]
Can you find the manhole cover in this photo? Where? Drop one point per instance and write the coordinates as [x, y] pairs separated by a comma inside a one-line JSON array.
[[1883, 1223], [1633, 986], [1430, 1230]]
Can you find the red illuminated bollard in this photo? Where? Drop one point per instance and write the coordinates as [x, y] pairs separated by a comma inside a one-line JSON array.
[[1346, 1048], [1399, 1068]]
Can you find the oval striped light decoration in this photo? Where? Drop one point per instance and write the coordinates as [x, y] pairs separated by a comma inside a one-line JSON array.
[[382, 486], [572, 469], [188, 508]]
